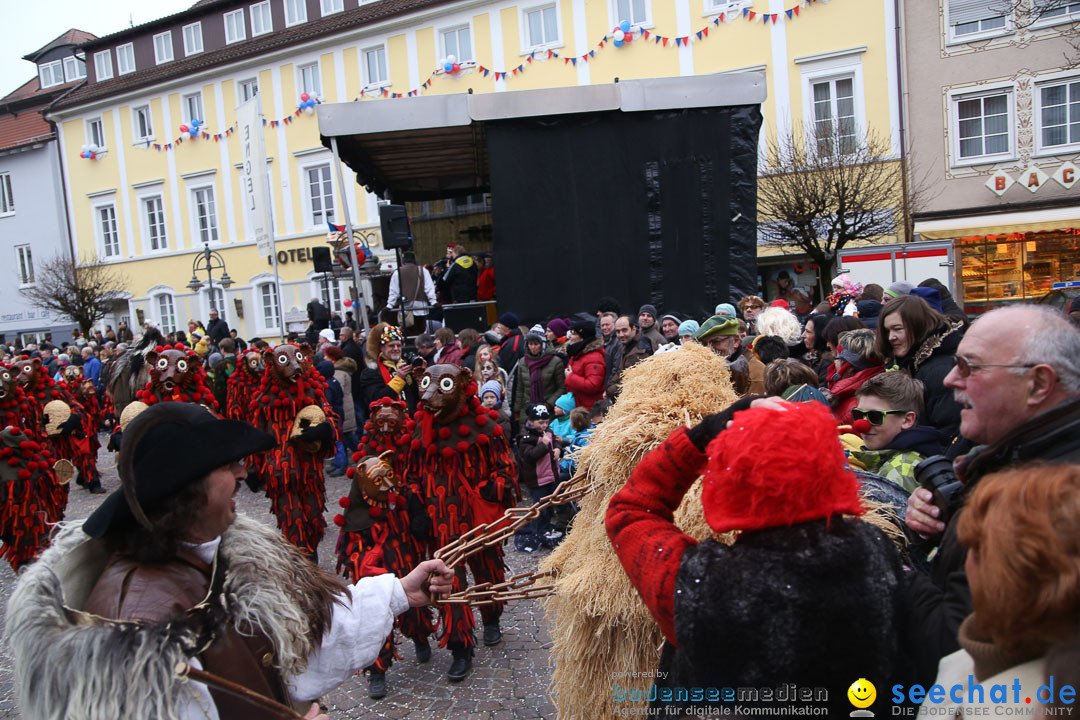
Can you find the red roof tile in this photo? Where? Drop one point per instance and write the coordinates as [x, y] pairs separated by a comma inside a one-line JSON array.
[[71, 37], [31, 88], [23, 129]]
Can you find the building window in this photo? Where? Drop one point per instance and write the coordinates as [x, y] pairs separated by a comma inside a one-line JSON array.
[[636, 11], [983, 126], [141, 123], [51, 74], [295, 12], [154, 223], [320, 192], [193, 109], [1059, 114], [261, 20], [972, 19], [375, 66], [542, 25], [474, 203], [7, 199], [26, 264], [125, 58], [247, 89], [205, 214], [458, 42], [215, 301], [95, 133], [718, 6], [193, 39], [74, 68], [1054, 10], [310, 82], [166, 312], [234, 26], [103, 65], [834, 115], [106, 224], [268, 301], [163, 48], [329, 7], [329, 292]]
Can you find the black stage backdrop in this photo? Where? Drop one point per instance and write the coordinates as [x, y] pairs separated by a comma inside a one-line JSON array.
[[646, 207]]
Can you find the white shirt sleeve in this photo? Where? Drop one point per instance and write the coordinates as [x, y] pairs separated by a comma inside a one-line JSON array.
[[195, 702], [395, 290], [429, 287], [356, 634]]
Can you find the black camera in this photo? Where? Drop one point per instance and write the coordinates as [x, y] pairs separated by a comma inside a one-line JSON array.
[[935, 473]]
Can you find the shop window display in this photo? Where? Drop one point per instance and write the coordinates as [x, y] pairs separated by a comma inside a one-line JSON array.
[[1019, 267]]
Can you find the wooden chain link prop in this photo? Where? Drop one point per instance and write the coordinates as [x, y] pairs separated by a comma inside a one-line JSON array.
[[519, 587]]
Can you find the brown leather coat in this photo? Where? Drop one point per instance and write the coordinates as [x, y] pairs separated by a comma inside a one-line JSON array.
[[128, 590]]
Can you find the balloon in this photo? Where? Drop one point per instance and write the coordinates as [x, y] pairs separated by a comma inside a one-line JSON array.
[[85, 147], [617, 43], [448, 66], [309, 110], [305, 97], [183, 128], [619, 35], [347, 302], [195, 122], [451, 58], [456, 67], [625, 26]]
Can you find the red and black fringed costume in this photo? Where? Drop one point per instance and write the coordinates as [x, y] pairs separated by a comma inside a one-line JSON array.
[[71, 444], [463, 469], [26, 478], [376, 535], [242, 386], [83, 390], [176, 375], [293, 470]]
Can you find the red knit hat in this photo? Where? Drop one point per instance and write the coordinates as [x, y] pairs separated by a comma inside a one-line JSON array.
[[773, 468]]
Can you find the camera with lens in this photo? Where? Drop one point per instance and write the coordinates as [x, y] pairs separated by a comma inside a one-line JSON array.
[[935, 473]]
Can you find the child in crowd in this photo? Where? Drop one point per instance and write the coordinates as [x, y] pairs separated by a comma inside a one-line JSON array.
[[560, 423], [491, 395], [538, 473], [584, 423], [895, 443]]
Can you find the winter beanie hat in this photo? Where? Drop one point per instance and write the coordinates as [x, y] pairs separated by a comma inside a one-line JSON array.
[[509, 319], [585, 328], [559, 327], [651, 309], [751, 483], [539, 411], [491, 386], [718, 325], [725, 309], [899, 289], [688, 327]]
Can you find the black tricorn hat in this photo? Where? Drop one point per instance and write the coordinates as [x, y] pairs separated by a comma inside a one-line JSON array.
[[165, 448]]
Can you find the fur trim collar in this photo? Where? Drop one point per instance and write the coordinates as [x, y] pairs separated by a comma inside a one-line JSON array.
[[932, 343], [264, 583]]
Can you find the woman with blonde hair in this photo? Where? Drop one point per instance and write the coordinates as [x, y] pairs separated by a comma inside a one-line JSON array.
[[489, 354], [1021, 529]]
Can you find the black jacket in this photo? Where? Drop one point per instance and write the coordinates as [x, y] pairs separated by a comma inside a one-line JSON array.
[[532, 451], [318, 314], [930, 363], [511, 350], [373, 387], [805, 604], [938, 600], [217, 330], [459, 280]]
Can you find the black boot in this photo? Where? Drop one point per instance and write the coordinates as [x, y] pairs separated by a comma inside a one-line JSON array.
[[461, 665], [376, 684], [95, 487], [492, 633], [423, 651]]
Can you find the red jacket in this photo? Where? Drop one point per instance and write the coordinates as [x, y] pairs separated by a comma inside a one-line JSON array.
[[485, 284], [842, 387], [640, 523], [588, 370], [451, 355]]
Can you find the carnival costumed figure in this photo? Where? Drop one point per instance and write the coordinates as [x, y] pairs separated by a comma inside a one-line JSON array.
[[83, 391], [62, 417], [291, 405], [28, 487], [460, 463], [243, 384], [176, 375], [376, 535]]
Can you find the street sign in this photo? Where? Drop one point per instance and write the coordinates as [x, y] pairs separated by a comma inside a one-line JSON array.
[[253, 189], [1065, 285]]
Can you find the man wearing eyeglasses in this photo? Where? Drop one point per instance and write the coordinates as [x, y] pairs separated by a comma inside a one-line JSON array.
[[1017, 375]]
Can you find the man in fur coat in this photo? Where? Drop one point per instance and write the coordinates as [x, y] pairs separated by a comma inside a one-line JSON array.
[[387, 375], [807, 593], [165, 575]]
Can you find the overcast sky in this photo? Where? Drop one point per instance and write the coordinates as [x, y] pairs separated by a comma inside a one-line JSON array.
[[30, 24]]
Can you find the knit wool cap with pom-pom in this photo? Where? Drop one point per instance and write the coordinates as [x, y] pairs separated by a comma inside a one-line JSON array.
[[751, 483]]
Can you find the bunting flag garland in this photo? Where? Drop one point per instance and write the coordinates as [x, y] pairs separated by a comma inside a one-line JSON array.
[[611, 42]]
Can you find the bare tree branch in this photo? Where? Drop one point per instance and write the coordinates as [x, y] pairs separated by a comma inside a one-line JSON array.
[[824, 189], [83, 292]]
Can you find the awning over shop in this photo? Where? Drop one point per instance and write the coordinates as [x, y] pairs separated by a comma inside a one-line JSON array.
[[999, 224], [424, 148]]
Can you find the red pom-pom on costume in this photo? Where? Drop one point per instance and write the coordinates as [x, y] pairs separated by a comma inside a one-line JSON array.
[[444, 433], [415, 444], [350, 473], [356, 456], [462, 446], [448, 452], [410, 425], [24, 474], [375, 512], [498, 430], [464, 431], [344, 502], [481, 420], [339, 520], [750, 486]]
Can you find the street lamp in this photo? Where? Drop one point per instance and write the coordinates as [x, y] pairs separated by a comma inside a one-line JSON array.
[[209, 260]]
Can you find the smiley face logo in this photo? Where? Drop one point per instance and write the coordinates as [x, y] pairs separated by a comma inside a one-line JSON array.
[[862, 693]]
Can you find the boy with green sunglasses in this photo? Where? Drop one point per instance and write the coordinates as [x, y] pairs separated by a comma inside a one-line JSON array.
[[894, 443]]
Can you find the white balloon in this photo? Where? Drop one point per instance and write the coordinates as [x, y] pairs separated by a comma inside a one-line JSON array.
[[451, 59], [309, 110], [619, 35], [86, 147], [188, 136]]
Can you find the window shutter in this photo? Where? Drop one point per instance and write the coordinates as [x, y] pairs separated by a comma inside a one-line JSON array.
[[965, 11]]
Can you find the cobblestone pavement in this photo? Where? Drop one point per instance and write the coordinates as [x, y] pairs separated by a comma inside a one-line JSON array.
[[508, 681]]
